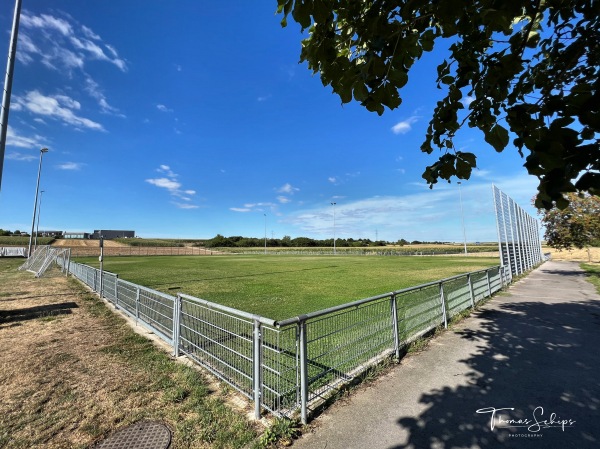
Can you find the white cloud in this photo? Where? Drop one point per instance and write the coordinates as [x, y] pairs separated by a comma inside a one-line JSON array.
[[288, 189], [21, 157], [405, 126], [332, 179], [173, 186], [58, 107], [165, 183], [283, 199], [240, 209], [46, 23], [163, 108], [466, 101], [423, 215], [93, 89], [15, 140], [87, 32], [70, 166], [186, 206]]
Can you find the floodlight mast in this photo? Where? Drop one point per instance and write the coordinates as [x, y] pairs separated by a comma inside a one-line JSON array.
[[333, 204], [10, 66], [35, 203], [462, 217]]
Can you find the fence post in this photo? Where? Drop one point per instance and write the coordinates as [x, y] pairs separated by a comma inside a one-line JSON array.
[[176, 320], [303, 373], [257, 362], [471, 292], [137, 304], [116, 291], [444, 314], [95, 285], [487, 273], [393, 305]]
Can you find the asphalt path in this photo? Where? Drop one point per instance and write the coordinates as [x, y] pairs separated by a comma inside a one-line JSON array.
[[522, 372]]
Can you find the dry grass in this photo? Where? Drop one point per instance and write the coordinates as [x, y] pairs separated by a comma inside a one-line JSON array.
[[85, 243], [72, 372], [578, 255]]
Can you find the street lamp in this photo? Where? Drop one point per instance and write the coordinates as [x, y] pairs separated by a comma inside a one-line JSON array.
[[265, 233], [37, 226], [333, 204], [37, 188], [462, 217]]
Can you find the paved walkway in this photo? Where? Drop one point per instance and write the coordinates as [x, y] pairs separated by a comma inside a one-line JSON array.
[[534, 352]]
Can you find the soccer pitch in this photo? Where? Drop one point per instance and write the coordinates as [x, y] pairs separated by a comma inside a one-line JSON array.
[[282, 286]]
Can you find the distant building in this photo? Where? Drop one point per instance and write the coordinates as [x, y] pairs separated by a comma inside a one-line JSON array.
[[50, 233], [112, 234], [76, 235]]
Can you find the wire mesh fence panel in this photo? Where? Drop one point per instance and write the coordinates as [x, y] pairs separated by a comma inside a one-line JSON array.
[[280, 376], [156, 309], [495, 279], [419, 311], [109, 286], [127, 294], [457, 294], [220, 342], [339, 345], [480, 285]]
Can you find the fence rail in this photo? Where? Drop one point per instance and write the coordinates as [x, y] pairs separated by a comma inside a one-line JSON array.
[[289, 365]]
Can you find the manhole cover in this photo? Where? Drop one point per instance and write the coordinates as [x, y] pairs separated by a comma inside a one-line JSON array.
[[141, 435]]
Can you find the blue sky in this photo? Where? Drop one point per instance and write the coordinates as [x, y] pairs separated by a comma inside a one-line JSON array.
[[188, 119]]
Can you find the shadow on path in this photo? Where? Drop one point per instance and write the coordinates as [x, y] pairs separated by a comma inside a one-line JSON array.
[[538, 358]]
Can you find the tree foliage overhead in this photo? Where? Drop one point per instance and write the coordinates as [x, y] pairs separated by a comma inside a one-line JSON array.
[[532, 67], [577, 225]]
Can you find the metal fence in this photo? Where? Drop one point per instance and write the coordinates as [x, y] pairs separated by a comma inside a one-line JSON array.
[[290, 365], [518, 235]]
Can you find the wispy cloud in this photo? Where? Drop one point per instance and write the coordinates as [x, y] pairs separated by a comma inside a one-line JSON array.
[[169, 182], [60, 42], [16, 140], [254, 207], [288, 189], [58, 107], [93, 89], [406, 125], [163, 108], [70, 166], [21, 157], [436, 211]]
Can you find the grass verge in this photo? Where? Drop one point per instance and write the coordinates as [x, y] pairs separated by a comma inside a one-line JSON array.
[[69, 379], [593, 274]]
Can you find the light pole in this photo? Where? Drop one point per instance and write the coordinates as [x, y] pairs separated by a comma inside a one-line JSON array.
[[462, 217], [37, 226], [265, 233], [10, 65], [333, 204], [37, 188]]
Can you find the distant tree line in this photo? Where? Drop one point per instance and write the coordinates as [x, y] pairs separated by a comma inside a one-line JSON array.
[[220, 241]]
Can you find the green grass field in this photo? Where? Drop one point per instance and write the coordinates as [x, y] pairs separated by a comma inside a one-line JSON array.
[[280, 287]]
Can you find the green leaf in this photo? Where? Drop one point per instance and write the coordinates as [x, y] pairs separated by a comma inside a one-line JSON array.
[[497, 137]]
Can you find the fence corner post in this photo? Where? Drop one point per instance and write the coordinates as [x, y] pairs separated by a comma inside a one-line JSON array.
[[489, 285], [303, 373], [444, 311], [394, 309], [257, 363], [176, 324]]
